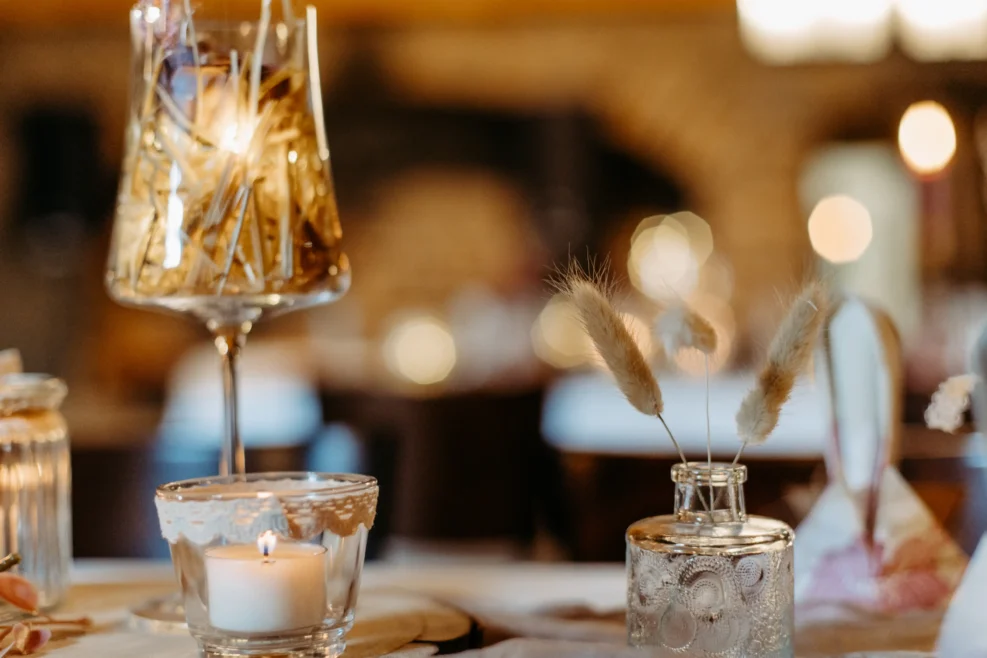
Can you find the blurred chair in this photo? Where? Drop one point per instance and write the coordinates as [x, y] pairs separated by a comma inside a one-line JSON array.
[[459, 474]]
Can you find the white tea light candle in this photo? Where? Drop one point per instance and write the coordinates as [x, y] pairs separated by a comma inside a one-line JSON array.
[[266, 589]]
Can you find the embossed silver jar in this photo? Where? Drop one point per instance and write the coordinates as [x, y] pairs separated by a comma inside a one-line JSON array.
[[709, 580]]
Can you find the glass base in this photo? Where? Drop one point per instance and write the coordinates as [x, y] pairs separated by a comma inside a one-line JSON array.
[[327, 651], [163, 616], [326, 643]]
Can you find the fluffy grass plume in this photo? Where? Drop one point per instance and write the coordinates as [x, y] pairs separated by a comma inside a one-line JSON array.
[[590, 294], [680, 326], [789, 355], [613, 341]]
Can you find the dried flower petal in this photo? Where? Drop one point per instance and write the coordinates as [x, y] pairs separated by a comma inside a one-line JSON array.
[[18, 592], [18, 638], [950, 402], [36, 639], [25, 640]]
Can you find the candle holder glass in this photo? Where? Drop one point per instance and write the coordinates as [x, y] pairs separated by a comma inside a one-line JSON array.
[[269, 563]]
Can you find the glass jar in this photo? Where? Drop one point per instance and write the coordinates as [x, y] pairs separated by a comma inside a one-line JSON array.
[[269, 563], [709, 580], [35, 483]]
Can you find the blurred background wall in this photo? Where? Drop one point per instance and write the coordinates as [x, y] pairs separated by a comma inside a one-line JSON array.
[[476, 147]]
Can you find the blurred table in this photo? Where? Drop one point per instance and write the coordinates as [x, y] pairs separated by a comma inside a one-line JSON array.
[[615, 462], [558, 601], [586, 413]]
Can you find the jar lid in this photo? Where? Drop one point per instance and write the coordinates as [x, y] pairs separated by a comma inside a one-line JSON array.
[[22, 392]]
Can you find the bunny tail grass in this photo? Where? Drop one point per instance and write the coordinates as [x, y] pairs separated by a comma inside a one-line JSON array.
[[788, 356], [616, 346], [680, 326]]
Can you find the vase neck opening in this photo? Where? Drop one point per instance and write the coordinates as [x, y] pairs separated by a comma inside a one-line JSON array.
[[707, 493]]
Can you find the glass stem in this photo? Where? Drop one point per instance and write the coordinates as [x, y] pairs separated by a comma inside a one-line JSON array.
[[229, 341], [709, 449]]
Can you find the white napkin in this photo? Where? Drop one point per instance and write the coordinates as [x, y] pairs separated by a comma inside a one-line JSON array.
[[914, 564], [962, 633]]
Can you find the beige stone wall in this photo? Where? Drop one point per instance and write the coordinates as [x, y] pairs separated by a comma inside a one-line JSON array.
[[683, 95]]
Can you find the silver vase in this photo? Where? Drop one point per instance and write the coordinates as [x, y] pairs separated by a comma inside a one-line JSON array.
[[709, 580]]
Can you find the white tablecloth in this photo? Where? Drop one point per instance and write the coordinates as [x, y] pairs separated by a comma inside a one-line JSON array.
[[509, 598]]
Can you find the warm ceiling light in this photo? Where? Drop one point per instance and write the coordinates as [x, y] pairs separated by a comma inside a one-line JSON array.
[[778, 16], [778, 31], [943, 29], [926, 137], [421, 350], [789, 31], [840, 229]]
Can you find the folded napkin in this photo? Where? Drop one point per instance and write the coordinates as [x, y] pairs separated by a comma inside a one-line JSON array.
[[911, 564], [870, 545]]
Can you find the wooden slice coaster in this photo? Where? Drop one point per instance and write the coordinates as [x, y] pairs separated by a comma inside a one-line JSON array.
[[405, 624]]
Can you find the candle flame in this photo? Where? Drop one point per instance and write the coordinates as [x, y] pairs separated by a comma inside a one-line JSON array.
[[266, 543]]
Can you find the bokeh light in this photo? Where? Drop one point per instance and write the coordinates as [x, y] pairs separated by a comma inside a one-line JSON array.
[[926, 137], [698, 231], [840, 228], [421, 350], [667, 253], [558, 337]]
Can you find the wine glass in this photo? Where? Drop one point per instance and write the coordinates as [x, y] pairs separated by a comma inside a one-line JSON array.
[[226, 211]]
